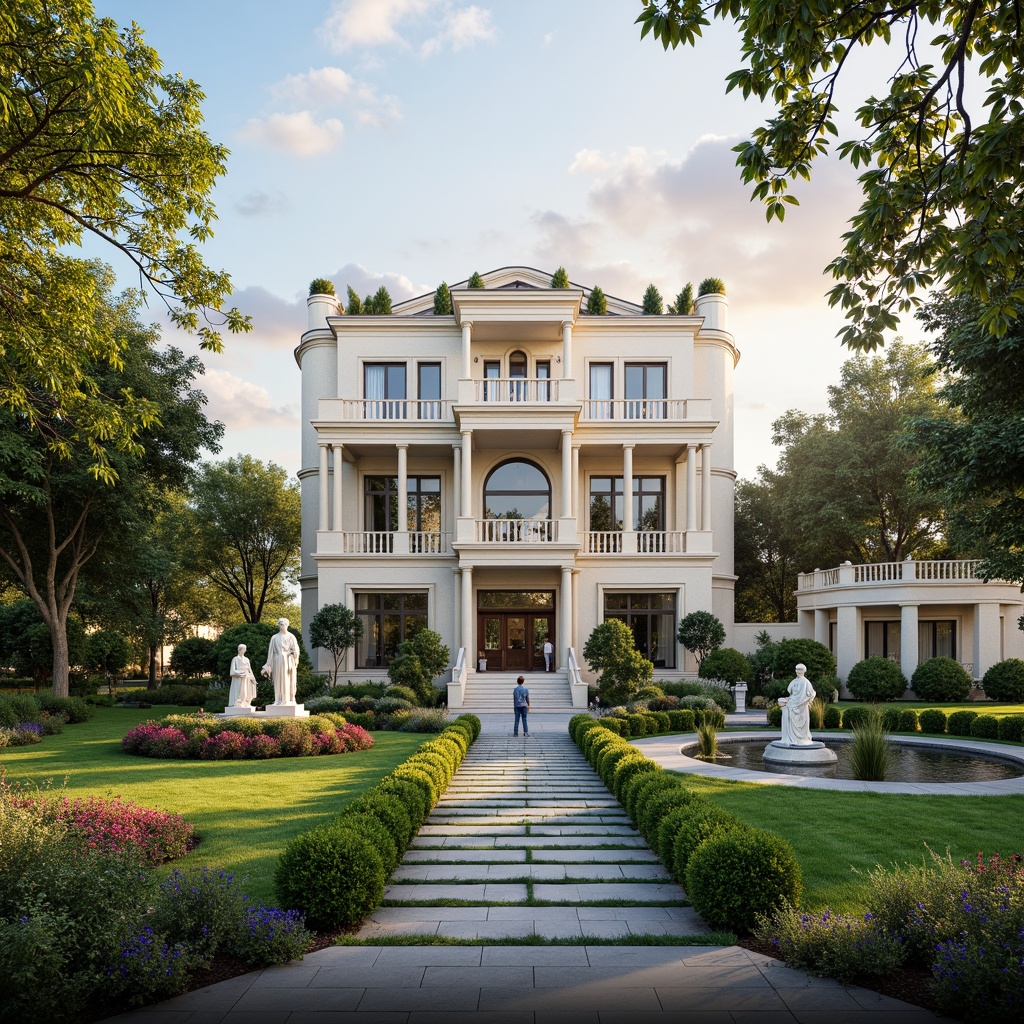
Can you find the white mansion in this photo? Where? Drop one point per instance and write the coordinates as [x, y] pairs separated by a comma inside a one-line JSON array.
[[468, 472]]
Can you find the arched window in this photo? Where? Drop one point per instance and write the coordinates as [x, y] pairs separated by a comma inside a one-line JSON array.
[[517, 489], [517, 365]]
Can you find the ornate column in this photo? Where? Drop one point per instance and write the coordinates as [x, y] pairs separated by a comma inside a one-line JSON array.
[[324, 492], [401, 538], [339, 463], [691, 488], [705, 487], [566, 348], [565, 618], [466, 607], [467, 340], [576, 485], [456, 480], [628, 526], [567, 510], [466, 507], [908, 639]]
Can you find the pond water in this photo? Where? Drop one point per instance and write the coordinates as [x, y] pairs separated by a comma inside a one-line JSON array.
[[906, 763]]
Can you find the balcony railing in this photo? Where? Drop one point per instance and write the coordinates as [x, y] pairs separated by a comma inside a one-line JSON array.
[[634, 409], [941, 570], [643, 542], [516, 389], [376, 409], [515, 531], [382, 542]]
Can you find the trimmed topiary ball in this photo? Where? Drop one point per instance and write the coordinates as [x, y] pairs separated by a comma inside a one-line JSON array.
[[941, 679], [702, 822], [1004, 681], [726, 663], [1011, 728], [832, 717], [932, 720], [668, 827], [876, 679], [774, 717], [334, 875], [793, 651], [959, 723], [985, 727], [855, 718], [634, 764], [737, 878]]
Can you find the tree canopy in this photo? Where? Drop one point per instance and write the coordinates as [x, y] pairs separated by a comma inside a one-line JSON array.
[[941, 158], [96, 142]]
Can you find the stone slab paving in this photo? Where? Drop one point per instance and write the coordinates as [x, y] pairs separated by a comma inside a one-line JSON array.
[[527, 823]]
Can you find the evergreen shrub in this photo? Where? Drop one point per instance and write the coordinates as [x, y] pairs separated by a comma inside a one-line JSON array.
[[876, 679], [985, 727], [681, 720], [635, 792], [932, 720], [702, 822], [855, 718], [1011, 727], [735, 879], [1004, 681], [774, 717], [832, 717], [726, 663], [614, 725], [941, 679], [652, 809], [959, 722], [668, 827], [907, 720], [634, 764]]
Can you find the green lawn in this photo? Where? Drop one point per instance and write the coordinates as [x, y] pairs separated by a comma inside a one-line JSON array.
[[244, 811], [983, 707], [834, 833]]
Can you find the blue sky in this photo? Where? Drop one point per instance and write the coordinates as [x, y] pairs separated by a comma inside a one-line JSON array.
[[408, 141]]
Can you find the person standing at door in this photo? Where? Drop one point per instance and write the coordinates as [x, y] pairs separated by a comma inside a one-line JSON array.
[[549, 655], [521, 705]]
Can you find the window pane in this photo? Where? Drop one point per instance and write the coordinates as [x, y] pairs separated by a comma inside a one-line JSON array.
[[655, 382], [875, 639], [416, 601], [614, 601], [430, 380], [396, 382], [374, 380], [634, 382]]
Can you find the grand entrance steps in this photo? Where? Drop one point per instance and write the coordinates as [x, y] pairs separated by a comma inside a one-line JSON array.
[[491, 692]]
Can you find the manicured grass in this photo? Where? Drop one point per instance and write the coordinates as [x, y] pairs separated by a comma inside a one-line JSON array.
[[983, 707], [838, 834], [244, 811]]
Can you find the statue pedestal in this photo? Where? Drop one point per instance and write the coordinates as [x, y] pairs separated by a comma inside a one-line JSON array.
[[240, 711], [284, 711], [778, 752]]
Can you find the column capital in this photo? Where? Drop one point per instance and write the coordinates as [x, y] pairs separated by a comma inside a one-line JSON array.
[[466, 323], [403, 445], [567, 323], [628, 447]]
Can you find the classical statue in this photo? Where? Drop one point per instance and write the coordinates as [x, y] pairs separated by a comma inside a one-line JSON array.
[[796, 717], [243, 682], [282, 663]]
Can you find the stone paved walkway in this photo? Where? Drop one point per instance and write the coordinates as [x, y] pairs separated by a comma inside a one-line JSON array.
[[530, 844]]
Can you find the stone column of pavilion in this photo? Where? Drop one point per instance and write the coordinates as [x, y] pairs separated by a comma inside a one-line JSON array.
[[317, 358], [715, 357]]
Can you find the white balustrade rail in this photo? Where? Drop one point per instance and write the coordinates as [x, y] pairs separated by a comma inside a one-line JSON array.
[[602, 542], [634, 409], [378, 409], [382, 542], [942, 570], [429, 542], [643, 542], [457, 687], [515, 531], [516, 389], [661, 542], [577, 686]]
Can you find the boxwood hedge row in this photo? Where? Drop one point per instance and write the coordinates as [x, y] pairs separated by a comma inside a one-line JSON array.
[[335, 873], [732, 872]]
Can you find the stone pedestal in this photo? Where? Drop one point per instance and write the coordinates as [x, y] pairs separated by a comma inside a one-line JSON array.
[[243, 711], [739, 691], [284, 711], [804, 754]]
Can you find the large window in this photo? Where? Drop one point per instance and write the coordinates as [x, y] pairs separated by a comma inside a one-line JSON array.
[[606, 507], [517, 490], [428, 390], [384, 390], [601, 392], [646, 385], [882, 640], [936, 640], [423, 503], [387, 619], [652, 619]]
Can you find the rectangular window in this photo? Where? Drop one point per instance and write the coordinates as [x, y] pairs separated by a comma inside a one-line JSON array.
[[882, 640], [646, 385], [423, 503], [601, 393], [428, 390], [652, 619], [384, 390], [387, 619], [492, 372], [606, 503], [936, 640], [543, 376]]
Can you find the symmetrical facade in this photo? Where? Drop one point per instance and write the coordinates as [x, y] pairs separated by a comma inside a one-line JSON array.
[[469, 472]]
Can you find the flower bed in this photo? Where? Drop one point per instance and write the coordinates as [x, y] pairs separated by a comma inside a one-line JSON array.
[[203, 737]]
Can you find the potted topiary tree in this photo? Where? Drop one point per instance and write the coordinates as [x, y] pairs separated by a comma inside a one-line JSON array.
[[560, 279], [320, 303], [652, 304], [597, 303]]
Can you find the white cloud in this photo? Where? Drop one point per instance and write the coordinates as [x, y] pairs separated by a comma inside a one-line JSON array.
[[241, 403], [318, 87], [549, 38], [300, 133], [589, 161], [371, 23], [262, 204]]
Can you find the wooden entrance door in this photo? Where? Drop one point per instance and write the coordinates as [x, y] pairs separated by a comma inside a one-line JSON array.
[[514, 641]]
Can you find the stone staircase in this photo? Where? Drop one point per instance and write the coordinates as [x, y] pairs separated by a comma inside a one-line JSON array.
[[528, 842], [491, 693]]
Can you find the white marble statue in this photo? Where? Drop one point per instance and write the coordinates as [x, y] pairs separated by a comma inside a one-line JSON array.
[[243, 682], [796, 716], [282, 663]]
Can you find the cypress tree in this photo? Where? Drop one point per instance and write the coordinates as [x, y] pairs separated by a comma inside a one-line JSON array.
[[560, 279], [597, 304], [476, 281], [382, 301], [442, 300], [355, 304], [652, 302], [683, 306]]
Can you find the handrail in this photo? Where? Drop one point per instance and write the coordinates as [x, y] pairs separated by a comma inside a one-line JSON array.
[[515, 531], [378, 409], [926, 570], [577, 686], [516, 389], [457, 687], [634, 409], [643, 542]]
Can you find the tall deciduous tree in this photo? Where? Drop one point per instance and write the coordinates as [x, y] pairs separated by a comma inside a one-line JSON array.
[[335, 628], [56, 514], [245, 521], [766, 549], [96, 143], [942, 157], [977, 456]]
